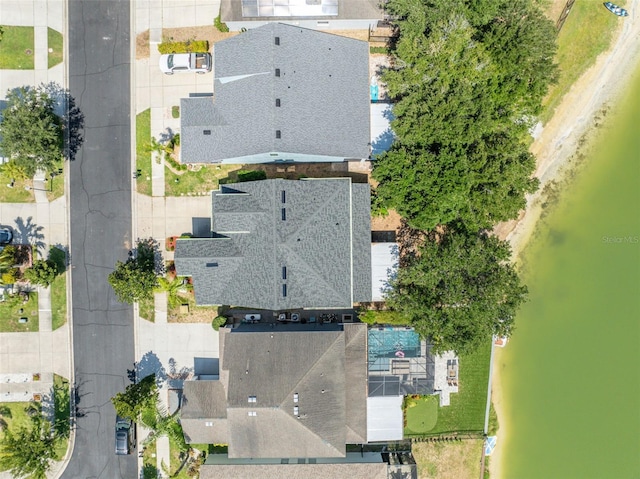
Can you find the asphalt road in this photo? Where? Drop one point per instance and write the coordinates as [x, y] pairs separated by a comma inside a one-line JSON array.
[[100, 216]]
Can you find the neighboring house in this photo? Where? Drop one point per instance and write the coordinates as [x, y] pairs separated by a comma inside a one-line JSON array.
[[282, 93], [284, 391], [283, 244], [320, 14]]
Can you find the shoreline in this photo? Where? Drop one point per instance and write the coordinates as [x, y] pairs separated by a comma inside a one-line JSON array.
[[554, 148]]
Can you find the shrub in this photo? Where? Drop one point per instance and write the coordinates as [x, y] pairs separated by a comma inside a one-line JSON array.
[[10, 276], [175, 111], [218, 321], [190, 46], [43, 272], [378, 50], [220, 25]]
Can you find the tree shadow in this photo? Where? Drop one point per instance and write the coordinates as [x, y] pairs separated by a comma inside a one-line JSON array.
[[151, 364], [59, 254], [29, 233], [149, 255]]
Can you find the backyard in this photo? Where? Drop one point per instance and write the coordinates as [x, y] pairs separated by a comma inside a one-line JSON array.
[[466, 412], [448, 460]]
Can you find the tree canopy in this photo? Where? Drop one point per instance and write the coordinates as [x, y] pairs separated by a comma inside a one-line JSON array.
[[29, 450], [136, 278], [30, 131], [467, 81], [458, 289], [136, 397]]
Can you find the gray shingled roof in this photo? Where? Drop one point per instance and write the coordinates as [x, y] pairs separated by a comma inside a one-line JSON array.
[[203, 414], [323, 90], [231, 11], [295, 471], [324, 244], [326, 369]]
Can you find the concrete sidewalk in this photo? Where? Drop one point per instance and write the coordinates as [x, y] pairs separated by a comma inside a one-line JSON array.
[[41, 14], [162, 346]]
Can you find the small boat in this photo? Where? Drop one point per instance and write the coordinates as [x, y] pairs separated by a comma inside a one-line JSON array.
[[615, 9]]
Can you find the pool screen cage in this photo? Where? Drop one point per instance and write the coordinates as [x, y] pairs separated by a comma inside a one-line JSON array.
[[399, 362]]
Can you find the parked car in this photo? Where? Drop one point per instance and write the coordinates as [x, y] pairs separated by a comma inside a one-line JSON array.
[[6, 236], [185, 62], [124, 436]]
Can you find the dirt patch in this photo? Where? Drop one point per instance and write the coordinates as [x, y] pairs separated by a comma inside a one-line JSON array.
[[198, 314], [553, 10], [142, 45], [457, 460], [391, 222]]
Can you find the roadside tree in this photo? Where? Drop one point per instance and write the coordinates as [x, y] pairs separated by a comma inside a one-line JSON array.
[[458, 290], [30, 131], [136, 398], [136, 278]]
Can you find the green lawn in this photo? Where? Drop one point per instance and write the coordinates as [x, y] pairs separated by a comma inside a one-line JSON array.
[[14, 415], [149, 467], [586, 33], [17, 193], [421, 415], [12, 309], [54, 40], [143, 155], [62, 413], [59, 301], [55, 186], [146, 309], [16, 48], [197, 182], [467, 409], [383, 317]]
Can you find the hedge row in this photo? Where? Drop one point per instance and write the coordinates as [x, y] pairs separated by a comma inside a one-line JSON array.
[[191, 46]]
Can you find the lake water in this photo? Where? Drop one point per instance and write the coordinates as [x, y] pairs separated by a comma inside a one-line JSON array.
[[571, 373]]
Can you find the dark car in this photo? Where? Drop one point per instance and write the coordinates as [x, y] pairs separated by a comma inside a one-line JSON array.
[[124, 436], [6, 236]]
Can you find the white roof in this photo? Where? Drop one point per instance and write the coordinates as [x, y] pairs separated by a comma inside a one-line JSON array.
[[384, 264], [384, 418]]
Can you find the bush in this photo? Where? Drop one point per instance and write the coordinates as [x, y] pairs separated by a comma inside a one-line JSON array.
[[175, 111], [218, 321], [378, 50], [43, 272], [190, 46], [220, 25], [10, 276]]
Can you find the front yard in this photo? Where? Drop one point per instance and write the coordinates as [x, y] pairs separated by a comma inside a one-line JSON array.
[[14, 308]]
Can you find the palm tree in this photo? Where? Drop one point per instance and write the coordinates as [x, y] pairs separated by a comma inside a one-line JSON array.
[[173, 290]]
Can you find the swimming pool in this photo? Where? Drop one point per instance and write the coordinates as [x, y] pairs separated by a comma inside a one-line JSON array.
[[393, 343]]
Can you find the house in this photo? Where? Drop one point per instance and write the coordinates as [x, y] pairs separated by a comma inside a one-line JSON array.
[[284, 391], [283, 244], [281, 93], [320, 14]]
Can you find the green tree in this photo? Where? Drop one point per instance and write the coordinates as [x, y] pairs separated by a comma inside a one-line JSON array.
[[466, 89], [43, 272], [173, 289], [136, 398], [459, 290], [30, 131], [29, 450], [136, 278]]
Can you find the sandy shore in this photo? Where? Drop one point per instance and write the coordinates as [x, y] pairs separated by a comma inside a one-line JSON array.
[[554, 146]]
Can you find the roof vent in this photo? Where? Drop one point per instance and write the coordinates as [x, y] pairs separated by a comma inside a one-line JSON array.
[[284, 290], [212, 265], [277, 101], [252, 413], [278, 134], [277, 40], [296, 411], [206, 132], [295, 397], [284, 214], [277, 72], [252, 399]]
